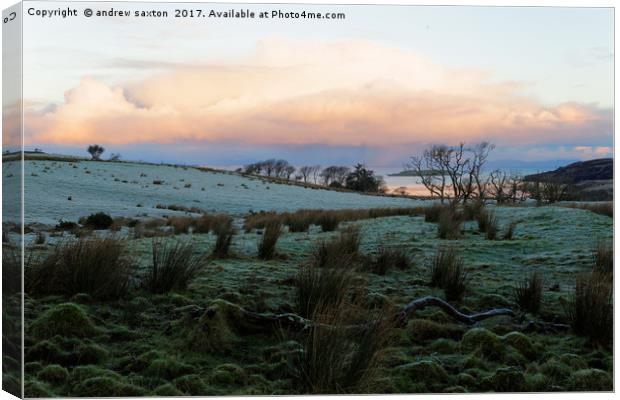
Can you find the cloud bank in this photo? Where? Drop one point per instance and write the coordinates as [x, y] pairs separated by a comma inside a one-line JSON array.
[[352, 93]]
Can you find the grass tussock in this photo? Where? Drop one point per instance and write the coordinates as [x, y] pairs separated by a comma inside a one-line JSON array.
[[389, 258], [603, 207], [448, 272], [336, 359], [97, 266], [590, 310], [173, 266], [528, 294], [510, 231], [267, 245], [340, 252], [223, 229], [491, 226], [431, 213], [320, 287], [449, 224], [301, 220], [328, 221], [604, 257], [180, 225], [472, 209]]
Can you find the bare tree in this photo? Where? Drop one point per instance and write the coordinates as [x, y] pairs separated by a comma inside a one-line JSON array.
[[431, 171], [458, 169], [288, 171], [306, 171]]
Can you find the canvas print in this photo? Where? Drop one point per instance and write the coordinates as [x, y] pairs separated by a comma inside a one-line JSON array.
[[286, 199]]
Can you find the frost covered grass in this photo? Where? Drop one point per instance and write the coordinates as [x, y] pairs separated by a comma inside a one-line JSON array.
[[191, 339], [136, 189]]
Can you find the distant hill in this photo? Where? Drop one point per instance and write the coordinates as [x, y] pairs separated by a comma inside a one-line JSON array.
[[592, 170]]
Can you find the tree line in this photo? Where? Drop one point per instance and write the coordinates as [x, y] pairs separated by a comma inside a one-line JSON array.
[[457, 174], [359, 178]]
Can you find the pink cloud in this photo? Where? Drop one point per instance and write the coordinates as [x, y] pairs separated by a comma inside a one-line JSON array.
[[346, 93]]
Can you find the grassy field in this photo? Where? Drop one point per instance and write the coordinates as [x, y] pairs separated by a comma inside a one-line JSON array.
[[195, 339]]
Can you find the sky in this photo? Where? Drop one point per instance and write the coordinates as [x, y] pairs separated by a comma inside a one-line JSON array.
[[376, 87]]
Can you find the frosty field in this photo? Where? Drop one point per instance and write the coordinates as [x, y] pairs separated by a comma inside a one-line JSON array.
[[198, 340], [127, 189]]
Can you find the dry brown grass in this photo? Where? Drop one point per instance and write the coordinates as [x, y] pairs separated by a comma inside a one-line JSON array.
[[180, 224], [224, 231], [96, 266], [603, 208], [590, 310], [449, 224], [336, 359], [339, 252], [448, 272], [173, 266], [267, 245], [389, 258], [604, 257], [300, 220]]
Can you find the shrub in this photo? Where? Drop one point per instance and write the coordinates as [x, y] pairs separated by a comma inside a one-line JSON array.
[[336, 359], [528, 294], [98, 221], [448, 272], [328, 221], [449, 224], [604, 257], [97, 266], [173, 266], [65, 225], [510, 231], [590, 310], [389, 258], [267, 245], [224, 231]]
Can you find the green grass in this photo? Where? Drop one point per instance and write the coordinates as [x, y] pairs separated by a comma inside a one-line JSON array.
[[138, 344]]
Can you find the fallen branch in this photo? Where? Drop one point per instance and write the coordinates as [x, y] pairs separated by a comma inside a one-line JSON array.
[[430, 301], [253, 320]]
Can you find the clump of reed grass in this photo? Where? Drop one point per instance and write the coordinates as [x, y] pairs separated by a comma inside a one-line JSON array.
[[491, 226], [267, 245], [449, 224], [40, 238], [339, 252], [173, 266], [528, 293], [97, 266], [431, 213], [604, 257], [448, 272], [336, 358], [603, 208], [224, 231], [510, 231], [299, 221], [389, 258], [328, 221], [180, 224], [320, 287], [590, 310], [472, 209]]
